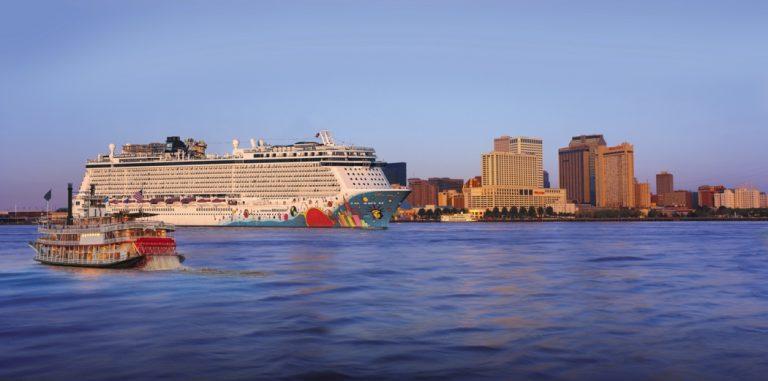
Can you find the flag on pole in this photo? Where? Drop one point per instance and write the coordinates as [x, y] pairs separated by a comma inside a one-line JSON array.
[[47, 196], [139, 195]]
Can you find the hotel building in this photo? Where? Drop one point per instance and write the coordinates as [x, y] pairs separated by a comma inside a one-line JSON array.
[[577, 168], [615, 176], [512, 176]]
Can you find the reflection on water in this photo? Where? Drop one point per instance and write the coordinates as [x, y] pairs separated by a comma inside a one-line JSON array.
[[417, 301]]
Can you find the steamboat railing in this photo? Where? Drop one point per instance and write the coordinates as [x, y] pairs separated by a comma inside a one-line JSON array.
[[102, 228]]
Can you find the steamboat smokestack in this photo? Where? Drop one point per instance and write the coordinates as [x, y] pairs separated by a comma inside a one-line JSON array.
[[69, 204]]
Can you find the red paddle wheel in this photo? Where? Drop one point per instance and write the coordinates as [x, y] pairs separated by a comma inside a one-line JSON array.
[[156, 246]]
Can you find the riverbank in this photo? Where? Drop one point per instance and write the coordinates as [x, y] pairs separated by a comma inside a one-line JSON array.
[[656, 219]]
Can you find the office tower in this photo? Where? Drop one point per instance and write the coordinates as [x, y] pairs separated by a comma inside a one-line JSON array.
[[615, 176], [575, 176], [512, 176], [545, 175], [395, 173], [506, 168], [664, 183], [422, 193], [526, 146], [577, 168], [642, 195]]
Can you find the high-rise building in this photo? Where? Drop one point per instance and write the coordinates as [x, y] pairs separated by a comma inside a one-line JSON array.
[[422, 193], [523, 145], [395, 173], [707, 193], [615, 176], [664, 183], [575, 176], [763, 200], [507, 168], [545, 175], [642, 195], [512, 176], [444, 183], [577, 168]]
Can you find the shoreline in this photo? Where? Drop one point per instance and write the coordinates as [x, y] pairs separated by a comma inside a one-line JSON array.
[[670, 219]]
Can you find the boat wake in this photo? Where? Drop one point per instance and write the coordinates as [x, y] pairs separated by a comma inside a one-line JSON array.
[[223, 272], [162, 263]]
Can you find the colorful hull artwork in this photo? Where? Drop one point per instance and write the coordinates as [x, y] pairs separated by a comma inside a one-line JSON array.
[[371, 210]]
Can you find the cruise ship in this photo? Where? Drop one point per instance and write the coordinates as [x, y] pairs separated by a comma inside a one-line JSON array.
[[306, 184]]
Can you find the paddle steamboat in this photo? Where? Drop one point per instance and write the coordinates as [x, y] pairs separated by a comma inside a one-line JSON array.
[[306, 184], [103, 241]]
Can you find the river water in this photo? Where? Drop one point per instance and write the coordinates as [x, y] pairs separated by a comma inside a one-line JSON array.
[[667, 300]]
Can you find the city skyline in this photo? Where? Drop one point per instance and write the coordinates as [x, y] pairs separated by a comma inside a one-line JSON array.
[[690, 98]]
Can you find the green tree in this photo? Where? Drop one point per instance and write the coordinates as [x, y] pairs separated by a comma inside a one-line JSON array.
[[513, 212], [421, 213], [495, 213], [532, 212], [550, 211], [523, 212], [540, 211], [504, 213]]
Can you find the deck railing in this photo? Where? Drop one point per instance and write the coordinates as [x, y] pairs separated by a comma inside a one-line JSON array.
[[103, 228]]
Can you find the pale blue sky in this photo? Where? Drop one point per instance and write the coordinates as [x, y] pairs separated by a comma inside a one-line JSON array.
[[426, 82]]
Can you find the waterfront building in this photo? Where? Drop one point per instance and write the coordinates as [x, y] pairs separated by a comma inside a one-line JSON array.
[[512, 176], [726, 198], [615, 176], [450, 198], [746, 198], [577, 168], [707, 193], [422, 193], [678, 198], [642, 195], [763, 200], [524, 146], [396, 173], [665, 183], [575, 175]]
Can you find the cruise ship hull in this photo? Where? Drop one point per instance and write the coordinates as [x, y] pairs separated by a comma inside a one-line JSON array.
[[365, 210]]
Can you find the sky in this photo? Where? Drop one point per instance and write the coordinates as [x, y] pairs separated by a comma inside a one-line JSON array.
[[430, 83]]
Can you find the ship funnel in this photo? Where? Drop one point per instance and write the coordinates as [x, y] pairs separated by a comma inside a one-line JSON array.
[[235, 143], [253, 143], [69, 204], [111, 150]]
